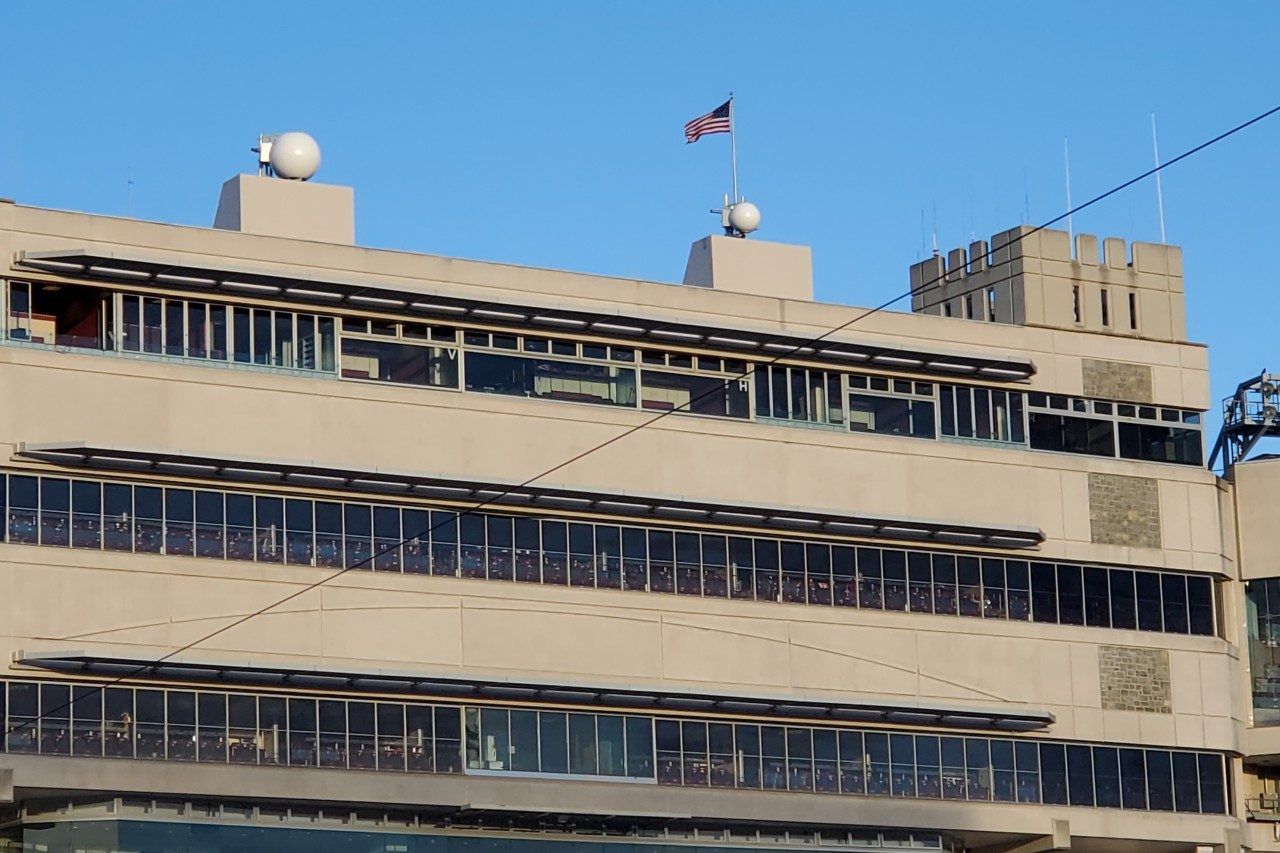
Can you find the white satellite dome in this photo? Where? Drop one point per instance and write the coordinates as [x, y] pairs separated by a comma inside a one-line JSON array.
[[744, 217], [295, 156]]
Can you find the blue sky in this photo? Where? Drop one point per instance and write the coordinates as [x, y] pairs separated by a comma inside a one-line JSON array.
[[549, 133]]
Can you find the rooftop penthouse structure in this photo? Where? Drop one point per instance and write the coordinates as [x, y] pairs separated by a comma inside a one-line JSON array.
[[929, 582]]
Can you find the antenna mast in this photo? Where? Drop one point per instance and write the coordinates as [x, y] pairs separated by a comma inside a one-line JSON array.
[[1155, 150], [1066, 167]]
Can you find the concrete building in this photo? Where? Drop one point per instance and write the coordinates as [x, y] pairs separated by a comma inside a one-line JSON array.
[[927, 582]]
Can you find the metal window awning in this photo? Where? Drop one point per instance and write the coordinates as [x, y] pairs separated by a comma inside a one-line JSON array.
[[251, 673], [653, 508], [138, 268]]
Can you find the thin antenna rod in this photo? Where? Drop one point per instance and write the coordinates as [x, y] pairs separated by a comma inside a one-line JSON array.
[[935, 227], [1026, 197], [733, 151], [1155, 150], [1066, 168], [130, 192]]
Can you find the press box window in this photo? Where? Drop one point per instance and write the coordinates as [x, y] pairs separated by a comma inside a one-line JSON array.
[[892, 406], [1159, 443], [60, 314], [798, 394], [982, 414], [1100, 428]]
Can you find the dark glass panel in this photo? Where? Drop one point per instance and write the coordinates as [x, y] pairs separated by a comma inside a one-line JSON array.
[[928, 767], [240, 536], [969, 575], [945, 596], [1200, 605], [1097, 604], [1003, 781], [1159, 443], [1186, 790], [978, 766], [826, 767], [1133, 779], [497, 532], [1159, 781], [328, 534], [852, 773], [1027, 760], [444, 543], [405, 364], [693, 750], [1173, 589], [640, 748], [1213, 796], [1053, 774], [878, 768], [555, 552], [86, 513], [689, 564], [269, 529], [471, 543], [55, 719], [844, 576], [800, 759], [870, 579], [993, 588], [818, 573], [553, 737], [1070, 595], [299, 522], [1066, 434], [954, 783], [895, 579], [1150, 608], [667, 738], [1106, 774], [919, 582], [148, 527], [701, 395], [1019, 595], [1080, 775], [55, 511], [1123, 599], [86, 719], [746, 739], [902, 755], [179, 522], [117, 512], [210, 535]]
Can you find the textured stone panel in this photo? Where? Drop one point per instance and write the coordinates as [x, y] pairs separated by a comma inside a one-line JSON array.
[[1117, 380], [1124, 511], [1134, 679]]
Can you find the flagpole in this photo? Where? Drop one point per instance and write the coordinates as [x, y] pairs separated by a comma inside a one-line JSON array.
[[733, 150]]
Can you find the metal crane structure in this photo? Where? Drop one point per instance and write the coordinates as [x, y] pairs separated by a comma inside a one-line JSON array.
[[1248, 416]]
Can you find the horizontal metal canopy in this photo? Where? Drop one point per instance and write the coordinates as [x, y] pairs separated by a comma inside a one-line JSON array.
[[251, 673], [138, 269], [305, 474]]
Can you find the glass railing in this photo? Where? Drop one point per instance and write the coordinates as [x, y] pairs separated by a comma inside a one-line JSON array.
[[298, 730]]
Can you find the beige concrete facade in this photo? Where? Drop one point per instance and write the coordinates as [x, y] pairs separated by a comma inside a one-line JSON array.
[[136, 606], [1036, 277]]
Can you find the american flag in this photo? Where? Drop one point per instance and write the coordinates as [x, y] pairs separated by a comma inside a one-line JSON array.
[[716, 121]]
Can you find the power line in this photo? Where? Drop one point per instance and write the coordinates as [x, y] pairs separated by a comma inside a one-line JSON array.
[[793, 348]]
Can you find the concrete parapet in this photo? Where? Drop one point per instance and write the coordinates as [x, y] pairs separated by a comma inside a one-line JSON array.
[[1043, 278]]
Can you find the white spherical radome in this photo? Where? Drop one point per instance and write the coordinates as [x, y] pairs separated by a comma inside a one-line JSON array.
[[295, 156], [744, 217]]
